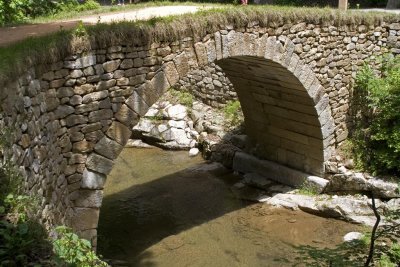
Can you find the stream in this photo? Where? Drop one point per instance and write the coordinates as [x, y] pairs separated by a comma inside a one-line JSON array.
[[163, 208]]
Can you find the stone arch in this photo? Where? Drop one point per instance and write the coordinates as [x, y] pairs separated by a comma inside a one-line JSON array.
[[267, 60]]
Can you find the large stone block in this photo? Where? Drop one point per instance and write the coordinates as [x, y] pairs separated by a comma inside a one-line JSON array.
[[84, 218], [119, 132], [137, 104], [98, 115], [92, 180], [127, 116], [182, 64], [87, 198], [171, 73], [108, 148], [99, 164], [246, 163], [160, 83]]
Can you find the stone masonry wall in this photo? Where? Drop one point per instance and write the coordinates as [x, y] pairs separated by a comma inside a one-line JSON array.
[[209, 84], [70, 121]]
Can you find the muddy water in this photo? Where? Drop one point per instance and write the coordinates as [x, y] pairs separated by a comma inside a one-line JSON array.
[[162, 208]]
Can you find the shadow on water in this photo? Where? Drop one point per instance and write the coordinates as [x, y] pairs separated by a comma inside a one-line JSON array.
[[154, 208]]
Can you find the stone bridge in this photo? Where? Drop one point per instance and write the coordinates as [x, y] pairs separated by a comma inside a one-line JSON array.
[[72, 118]]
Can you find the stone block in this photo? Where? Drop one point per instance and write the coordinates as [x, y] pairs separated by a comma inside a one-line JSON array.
[[84, 218], [127, 116], [112, 65], [72, 120], [95, 96], [92, 180], [119, 132], [108, 148], [63, 111], [182, 64], [160, 83], [84, 89], [85, 198], [83, 108], [137, 104], [171, 73], [82, 146], [103, 114], [246, 163], [99, 164]]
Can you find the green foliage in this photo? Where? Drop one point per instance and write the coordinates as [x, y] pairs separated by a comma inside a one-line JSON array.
[[376, 139], [80, 30], [69, 248], [13, 11], [183, 97], [345, 254], [233, 113]]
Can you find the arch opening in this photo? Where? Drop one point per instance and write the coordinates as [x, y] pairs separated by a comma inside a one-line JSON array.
[[280, 116]]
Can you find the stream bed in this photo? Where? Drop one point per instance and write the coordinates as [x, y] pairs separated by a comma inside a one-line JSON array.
[[163, 208]]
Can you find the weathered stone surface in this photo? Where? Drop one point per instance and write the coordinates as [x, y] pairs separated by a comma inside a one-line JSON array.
[[92, 180], [177, 112], [99, 164], [96, 96], [99, 115], [112, 65], [84, 218], [119, 132], [137, 104], [87, 198], [127, 116], [108, 148], [246, 163]]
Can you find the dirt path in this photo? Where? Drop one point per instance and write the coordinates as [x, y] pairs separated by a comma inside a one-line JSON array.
[[9, 35]]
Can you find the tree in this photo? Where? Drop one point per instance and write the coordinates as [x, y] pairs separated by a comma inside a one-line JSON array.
[[393, 4]]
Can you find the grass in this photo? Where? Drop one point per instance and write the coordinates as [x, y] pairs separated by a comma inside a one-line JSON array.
[[17, 58]]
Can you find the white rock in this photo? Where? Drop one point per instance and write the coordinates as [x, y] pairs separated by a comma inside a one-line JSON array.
[[193, 152], [177, 112], [162, 128], [193, 143], [137, 143], [318, 182], [151, 112], [179, 136], [144, 125], [177, 124], [352, 236]]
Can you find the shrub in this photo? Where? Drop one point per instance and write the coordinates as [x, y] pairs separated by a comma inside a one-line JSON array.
[[376, 138]]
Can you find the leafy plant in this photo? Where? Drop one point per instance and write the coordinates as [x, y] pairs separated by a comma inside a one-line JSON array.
[[69, 248], [376, 137]]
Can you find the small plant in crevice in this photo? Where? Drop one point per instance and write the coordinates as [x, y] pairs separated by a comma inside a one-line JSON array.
[[308, 189], [233, 113], [182, 97]]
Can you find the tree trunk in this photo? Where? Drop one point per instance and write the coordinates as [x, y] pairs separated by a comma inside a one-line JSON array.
[[393, 4]]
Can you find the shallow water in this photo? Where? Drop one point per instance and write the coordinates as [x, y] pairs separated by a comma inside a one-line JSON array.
[[161, 208]]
